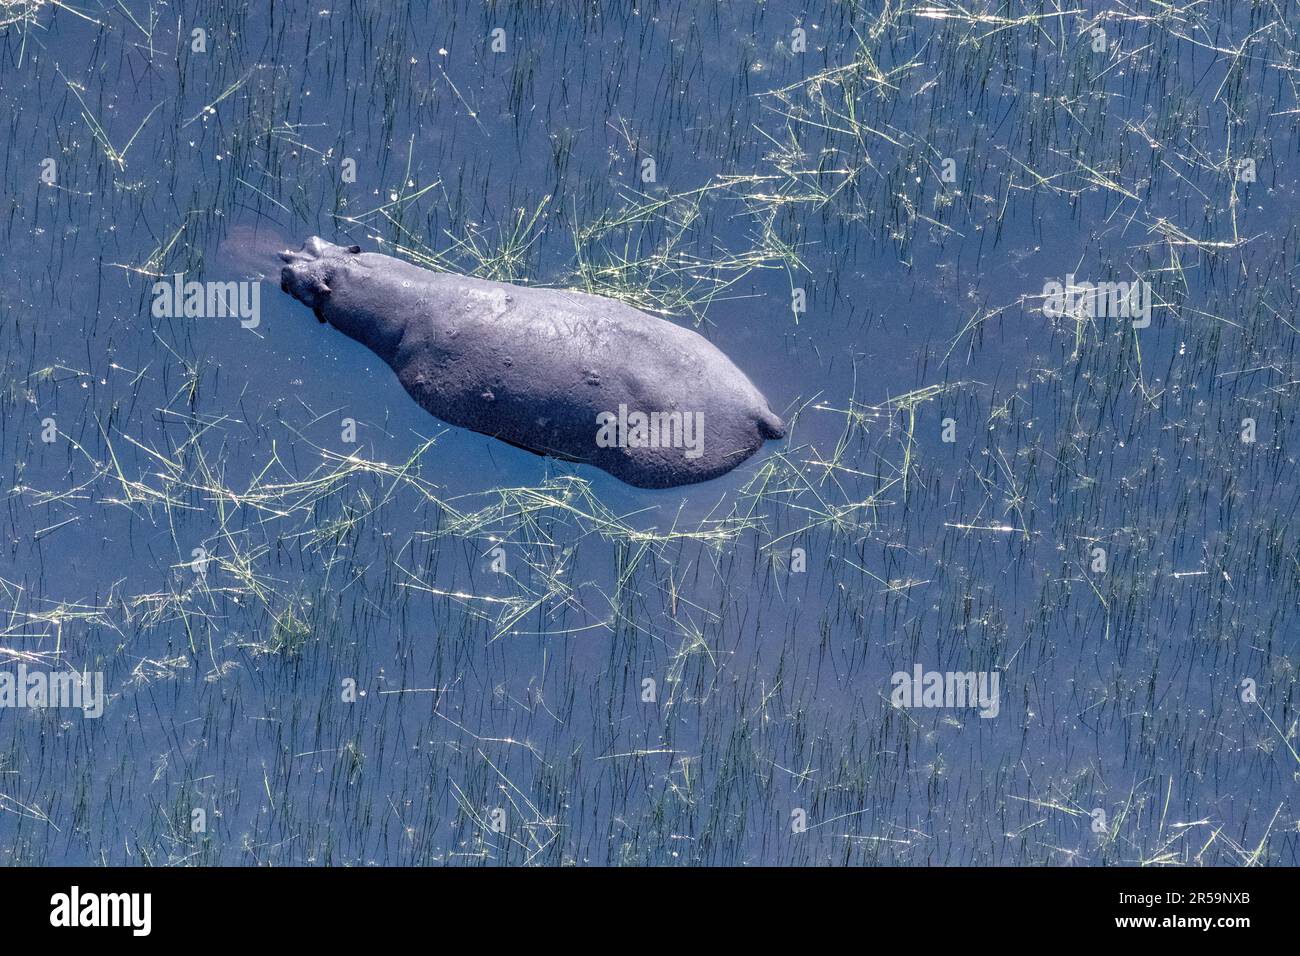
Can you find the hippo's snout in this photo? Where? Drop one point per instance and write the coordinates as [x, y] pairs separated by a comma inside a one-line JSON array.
[[317, 248], [314, 248], [306, 279]]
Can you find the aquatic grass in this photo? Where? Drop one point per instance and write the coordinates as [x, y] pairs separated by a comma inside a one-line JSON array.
[[523, 690]]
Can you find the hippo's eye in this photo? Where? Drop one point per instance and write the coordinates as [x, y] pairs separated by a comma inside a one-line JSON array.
[[355, 250]]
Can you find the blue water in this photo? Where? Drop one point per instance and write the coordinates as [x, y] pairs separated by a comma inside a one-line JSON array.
[[515, 697]]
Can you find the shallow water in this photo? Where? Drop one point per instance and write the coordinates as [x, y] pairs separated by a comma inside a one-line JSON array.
[[500, 714]]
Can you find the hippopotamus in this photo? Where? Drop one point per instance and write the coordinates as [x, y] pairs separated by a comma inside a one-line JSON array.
[[572, 375]]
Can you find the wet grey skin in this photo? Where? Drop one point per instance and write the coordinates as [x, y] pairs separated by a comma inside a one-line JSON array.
[[535, 367]]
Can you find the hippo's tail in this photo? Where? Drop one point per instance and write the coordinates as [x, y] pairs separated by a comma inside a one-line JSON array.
[[769, 425]]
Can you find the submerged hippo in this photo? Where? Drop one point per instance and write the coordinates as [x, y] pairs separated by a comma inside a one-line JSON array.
[[576, 376]]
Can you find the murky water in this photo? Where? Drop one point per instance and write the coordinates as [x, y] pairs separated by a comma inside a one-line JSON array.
[[423, 646]]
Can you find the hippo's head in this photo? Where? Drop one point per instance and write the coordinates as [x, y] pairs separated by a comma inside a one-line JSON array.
[[309, 271], [326, 278]]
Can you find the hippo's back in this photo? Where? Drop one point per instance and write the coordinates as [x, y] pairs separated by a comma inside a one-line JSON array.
[[536, 367]]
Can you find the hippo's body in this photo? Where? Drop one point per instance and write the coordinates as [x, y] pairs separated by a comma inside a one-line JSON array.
[[557, 373]]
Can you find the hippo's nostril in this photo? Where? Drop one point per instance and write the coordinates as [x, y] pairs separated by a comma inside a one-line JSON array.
[[288, 256]]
